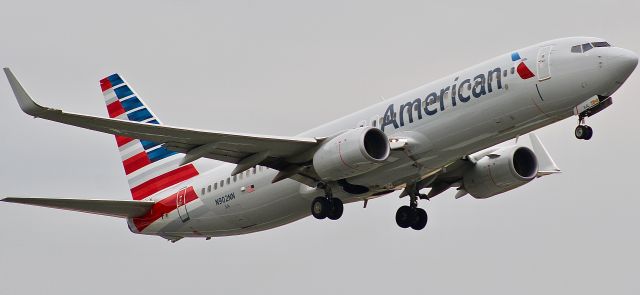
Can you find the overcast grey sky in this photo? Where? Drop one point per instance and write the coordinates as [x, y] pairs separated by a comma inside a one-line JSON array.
[[280, 67]]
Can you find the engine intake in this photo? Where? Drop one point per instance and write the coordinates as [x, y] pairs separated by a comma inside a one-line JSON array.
[[501, 171], [353, 152]]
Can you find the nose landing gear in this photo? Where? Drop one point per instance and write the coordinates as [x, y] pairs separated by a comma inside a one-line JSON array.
[[583, 132], [586, 109]]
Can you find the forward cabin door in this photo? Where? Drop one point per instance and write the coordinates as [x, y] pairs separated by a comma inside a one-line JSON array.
[[544, 70], [181, 203]]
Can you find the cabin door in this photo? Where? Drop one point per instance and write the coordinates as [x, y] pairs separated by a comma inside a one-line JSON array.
[[181, 203], [544, 70]]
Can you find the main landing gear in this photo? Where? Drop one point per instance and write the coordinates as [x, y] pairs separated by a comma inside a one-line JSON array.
[[324, 207], [412, 216], [583, 131], [327, 206]]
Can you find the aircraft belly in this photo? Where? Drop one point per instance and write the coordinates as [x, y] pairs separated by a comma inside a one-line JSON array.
[[267, 207]]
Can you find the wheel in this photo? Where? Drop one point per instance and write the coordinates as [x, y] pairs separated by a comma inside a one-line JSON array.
[[580, 132], [336, 209], [405, 216], [421, 220], [589, 132], [320, 207]]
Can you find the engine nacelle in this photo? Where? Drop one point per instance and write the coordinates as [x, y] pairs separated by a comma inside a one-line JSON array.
[[501, 171], [351, 153]]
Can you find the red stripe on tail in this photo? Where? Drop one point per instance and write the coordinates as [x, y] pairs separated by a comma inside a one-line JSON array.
[[136, 162], [163, 181], [115, 109], [105, 84], [121, 140], [163, 207]]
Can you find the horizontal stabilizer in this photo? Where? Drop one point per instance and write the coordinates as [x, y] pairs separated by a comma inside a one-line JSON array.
[[114, 208]]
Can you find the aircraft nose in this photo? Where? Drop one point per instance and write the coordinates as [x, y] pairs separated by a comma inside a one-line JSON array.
[[622, 61]]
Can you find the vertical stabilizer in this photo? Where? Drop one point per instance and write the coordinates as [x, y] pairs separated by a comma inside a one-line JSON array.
[[149, 166]]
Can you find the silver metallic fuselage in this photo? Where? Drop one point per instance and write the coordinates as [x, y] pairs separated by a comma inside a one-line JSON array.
[[518, 107]]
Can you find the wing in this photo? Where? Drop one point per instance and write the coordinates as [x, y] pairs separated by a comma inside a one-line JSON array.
[[287, 154], [451, 175], [114, 208]]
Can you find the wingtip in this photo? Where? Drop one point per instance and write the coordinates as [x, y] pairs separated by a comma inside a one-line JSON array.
[[25, 101]]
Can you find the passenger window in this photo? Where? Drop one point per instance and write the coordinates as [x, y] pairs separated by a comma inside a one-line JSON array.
[[248, 173], [254, 170], [504, 73], [215, 186], [586, 47], [374, 123], [209, 188], [513, 70], [221, 183], [228, 180], [576, 49], [202, 191]]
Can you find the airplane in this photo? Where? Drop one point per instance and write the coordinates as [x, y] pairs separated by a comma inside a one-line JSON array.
[[442, 135]]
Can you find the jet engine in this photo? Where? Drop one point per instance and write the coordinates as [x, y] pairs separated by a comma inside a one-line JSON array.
[[500, 171], [353, 152]]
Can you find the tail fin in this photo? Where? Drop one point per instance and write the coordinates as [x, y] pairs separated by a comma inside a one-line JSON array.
[[149, 166]]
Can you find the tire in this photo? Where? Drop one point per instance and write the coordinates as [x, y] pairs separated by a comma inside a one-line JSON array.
[[320, 207], [580, 132], [421, 220], [336, 209], [405, 216], [589, 133]]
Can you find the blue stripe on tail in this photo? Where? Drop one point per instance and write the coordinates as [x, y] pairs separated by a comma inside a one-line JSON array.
[[140, 115], [123, 91]]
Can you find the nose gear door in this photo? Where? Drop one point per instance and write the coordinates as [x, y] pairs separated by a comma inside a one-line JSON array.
[[544, 70]]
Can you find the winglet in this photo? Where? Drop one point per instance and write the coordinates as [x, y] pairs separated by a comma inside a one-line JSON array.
[[24, 100], [546, 164]]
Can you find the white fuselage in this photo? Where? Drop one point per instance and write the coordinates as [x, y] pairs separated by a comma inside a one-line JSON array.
[[453, 117]]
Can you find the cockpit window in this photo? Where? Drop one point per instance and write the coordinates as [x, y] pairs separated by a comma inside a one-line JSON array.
[[576, 49], [601, 44], [586, 47]]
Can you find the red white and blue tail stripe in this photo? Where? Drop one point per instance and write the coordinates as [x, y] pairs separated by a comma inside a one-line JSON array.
[[149, 166]]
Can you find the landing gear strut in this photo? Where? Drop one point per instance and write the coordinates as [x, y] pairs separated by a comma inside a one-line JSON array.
[[583, 131], [411, 216], [327, 206]]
